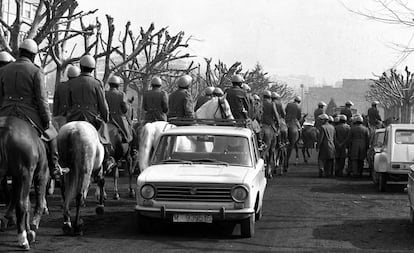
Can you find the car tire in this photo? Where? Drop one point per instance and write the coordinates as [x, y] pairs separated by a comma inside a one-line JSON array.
[[143, 223], [382, 181], [411, 215], [247, 227]]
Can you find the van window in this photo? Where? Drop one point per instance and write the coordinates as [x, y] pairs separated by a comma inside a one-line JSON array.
[[379, 139], [404, 136]]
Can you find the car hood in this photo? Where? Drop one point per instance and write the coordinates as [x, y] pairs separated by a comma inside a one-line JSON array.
[[201, 173]]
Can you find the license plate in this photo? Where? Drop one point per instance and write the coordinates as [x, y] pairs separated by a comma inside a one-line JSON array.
[[204, 218]]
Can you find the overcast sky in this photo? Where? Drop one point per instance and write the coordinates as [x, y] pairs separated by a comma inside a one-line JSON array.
[[319, 38]]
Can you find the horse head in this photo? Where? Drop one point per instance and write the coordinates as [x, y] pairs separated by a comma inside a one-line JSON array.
[[215, 108]]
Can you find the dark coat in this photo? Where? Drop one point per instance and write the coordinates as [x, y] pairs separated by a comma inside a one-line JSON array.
[[358, 142], [86, 100], [373, 116], [348, 113], [293, 114], [22, 92], [60, 100], [326, 142], [238, 102], [316, 114], [270, 116], [118, 109], [180, 104], [155, 104], [201, 101], [342, 131], [280, 109]]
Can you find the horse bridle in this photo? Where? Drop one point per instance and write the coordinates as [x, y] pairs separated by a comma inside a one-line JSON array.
[[220, 107]]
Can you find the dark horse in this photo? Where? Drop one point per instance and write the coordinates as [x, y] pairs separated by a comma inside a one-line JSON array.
[[122, 152], [81, 150], [293, 139], [23, 157]]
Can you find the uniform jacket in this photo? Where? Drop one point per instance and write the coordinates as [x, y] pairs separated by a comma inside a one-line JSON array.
[[342, 131], [293, 113], [348, 113], [60, 100], [86, 99], [326, 142], [155, 104], [22, 92], [201, 101], [270, 116], [316, 114], [358, 142], [180, 104], [238, 102], [118, 109], [373, 116], [280, 109]]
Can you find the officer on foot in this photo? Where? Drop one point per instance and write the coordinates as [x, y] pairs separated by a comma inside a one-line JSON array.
[[180, 103], [208, 94], [359, 143], [22, 94], [60, 97], [342, 130], [326, 146], [155, 102]]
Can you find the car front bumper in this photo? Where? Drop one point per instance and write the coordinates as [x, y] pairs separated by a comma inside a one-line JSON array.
[[218, 214]]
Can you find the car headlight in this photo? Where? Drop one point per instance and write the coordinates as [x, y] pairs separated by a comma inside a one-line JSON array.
[[239, 193], [148, 191]]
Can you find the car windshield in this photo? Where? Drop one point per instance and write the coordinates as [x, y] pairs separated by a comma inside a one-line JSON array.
[[206, 149], [404, 137], [379, 140]]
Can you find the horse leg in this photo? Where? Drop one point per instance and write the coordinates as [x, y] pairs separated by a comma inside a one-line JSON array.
[[304, 154], [78, 226], [131, 175], [9, 219], [297, 154], [100, 207], [116, 176], [40, 184], [21, 194]]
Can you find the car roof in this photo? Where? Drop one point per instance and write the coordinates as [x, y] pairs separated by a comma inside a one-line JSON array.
[[402, 126], [215, 130]]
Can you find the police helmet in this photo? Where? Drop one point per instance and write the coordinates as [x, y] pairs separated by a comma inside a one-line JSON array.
[[87, 61], [330, 119], [246, 87], [267, 94], [73, 71], [256, 97], [375, 102], [336, 119], [209, 90], [358, 118], [297, 99], [184, 81], [30, 46], [218, 92], [342, 117], [321, 103], [349, 102], [156, 81], [323, 116], [275, 95], [6, 57], [237, 79], [114, 81]]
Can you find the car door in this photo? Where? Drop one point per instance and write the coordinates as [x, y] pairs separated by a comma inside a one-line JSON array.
[[376, 144], [382, 154], [259, 168]]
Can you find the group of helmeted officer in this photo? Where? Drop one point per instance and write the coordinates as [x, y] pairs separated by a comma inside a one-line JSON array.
[[342, 138]]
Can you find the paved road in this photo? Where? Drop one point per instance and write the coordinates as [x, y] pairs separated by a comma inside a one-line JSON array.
[[301, 213]]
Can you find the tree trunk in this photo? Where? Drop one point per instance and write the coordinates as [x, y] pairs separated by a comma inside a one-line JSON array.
[[406, 113]]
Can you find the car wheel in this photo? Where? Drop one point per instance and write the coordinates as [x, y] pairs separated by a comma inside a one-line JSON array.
[[374, 176], [247, 227], [382, 181], [143, 223], [411, 215]]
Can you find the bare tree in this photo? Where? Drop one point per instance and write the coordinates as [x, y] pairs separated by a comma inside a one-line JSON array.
[[394, 90]]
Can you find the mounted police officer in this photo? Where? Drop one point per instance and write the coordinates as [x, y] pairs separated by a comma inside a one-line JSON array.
[[320, 110], [326, 146], [347, 111], [208, 94], [118, 108], [270, 125], [342, 130], [294, 113], [22, 94], [237, 98], [374, 118], [358, 145], [218, 92], [180, 103], [60, 98], [283, 138], [155, 102]]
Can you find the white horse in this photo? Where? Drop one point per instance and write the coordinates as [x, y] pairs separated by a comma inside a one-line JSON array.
[[81, 151], [215, 108]]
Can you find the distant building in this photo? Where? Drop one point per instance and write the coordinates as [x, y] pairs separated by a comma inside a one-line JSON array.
[[351, 89], [27, 10]]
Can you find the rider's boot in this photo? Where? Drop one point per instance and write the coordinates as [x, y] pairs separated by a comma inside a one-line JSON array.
[[110, 162], [53, 156]]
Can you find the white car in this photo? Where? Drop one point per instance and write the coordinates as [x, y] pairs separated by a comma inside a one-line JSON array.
[[393, 158], [203, 174]]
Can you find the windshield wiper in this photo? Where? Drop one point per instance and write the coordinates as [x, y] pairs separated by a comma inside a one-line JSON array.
[[176, 161], [210, 160]]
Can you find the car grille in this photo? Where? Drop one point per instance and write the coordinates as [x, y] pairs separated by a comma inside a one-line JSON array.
[[194, 192]]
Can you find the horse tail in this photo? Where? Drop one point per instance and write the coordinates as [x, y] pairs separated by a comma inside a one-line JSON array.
[[145, 147], [3, 148]]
